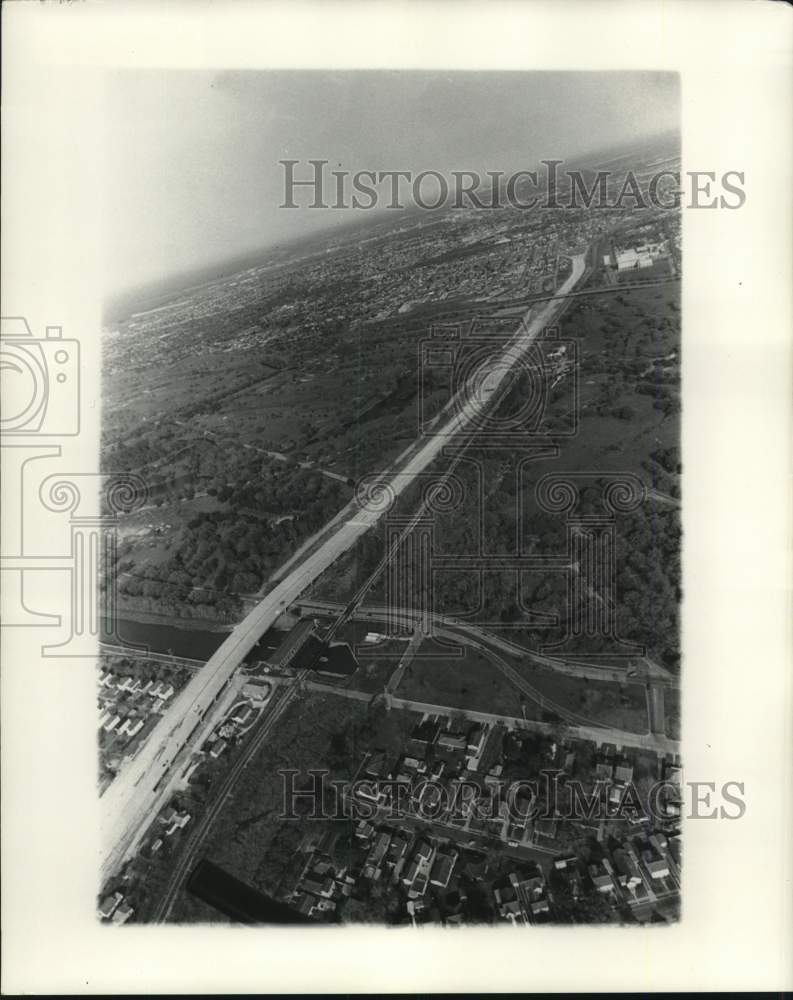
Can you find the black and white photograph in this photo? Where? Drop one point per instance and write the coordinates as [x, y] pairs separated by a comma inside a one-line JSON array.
[[396, 496], [396, 610]]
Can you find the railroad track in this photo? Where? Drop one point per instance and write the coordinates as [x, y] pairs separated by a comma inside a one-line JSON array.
[[200, 831]]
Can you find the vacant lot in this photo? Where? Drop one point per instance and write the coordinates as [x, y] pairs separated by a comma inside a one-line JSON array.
[[470, 681], [623, 706]]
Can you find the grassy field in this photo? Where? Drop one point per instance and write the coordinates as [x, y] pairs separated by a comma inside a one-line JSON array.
[[621, 706], [468, 682]]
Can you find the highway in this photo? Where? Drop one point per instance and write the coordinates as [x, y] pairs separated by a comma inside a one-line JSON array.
[[130, 803]]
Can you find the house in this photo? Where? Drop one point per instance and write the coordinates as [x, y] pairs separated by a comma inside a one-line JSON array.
[[179, 822], [135, 728], [512, 910], [397, 848], [319, 886], [110, 726], [411, 872], [122, 914], [601, 880], [442, 869], [305, 904], [123, 727], [364, 830], [156, 845], [426, 731], [532, 885], [452, 741], [673, 773], [509, 908], [437, 769], [655, 867], [631, 258], [379, 848], [476, 737], [218, 748], [420, 884], [370, 791], [108, 905], [424, 851], [627, 869], [623, 773], [242, 717], [166, 693], [539, 906], [604, 771]]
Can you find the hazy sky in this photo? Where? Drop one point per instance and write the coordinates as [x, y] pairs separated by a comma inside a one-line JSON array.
[[192, 173]]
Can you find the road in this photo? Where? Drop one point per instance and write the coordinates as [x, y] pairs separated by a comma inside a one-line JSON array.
[[131, 801], [653, 494], [404, 662], [596, 734]]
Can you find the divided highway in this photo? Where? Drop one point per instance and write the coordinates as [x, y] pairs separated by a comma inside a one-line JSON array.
[[130, 803]]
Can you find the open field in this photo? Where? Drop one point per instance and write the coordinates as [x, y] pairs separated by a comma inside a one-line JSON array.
[[617, 705], [470, 681]]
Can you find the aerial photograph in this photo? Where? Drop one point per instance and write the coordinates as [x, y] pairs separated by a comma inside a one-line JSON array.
[[392, 361]]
